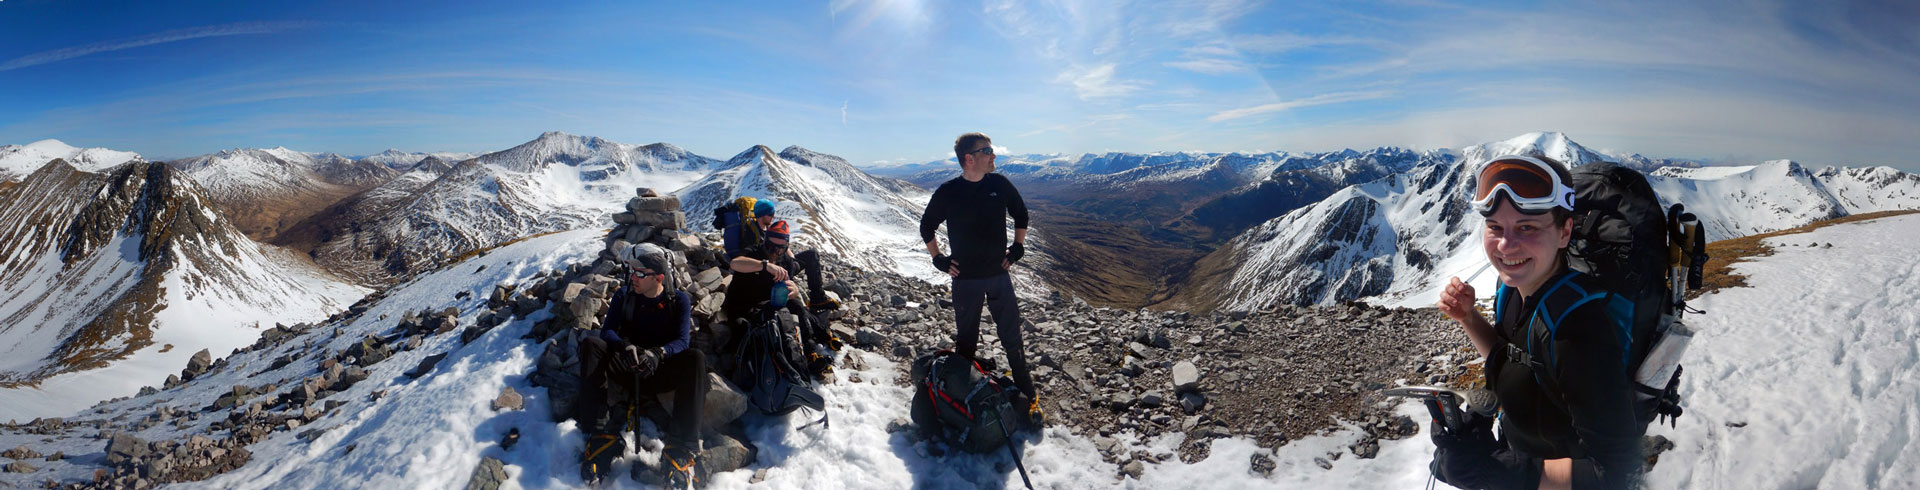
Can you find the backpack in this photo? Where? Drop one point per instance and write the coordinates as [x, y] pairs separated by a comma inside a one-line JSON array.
[[961, 401], [1647, 257], [732, 220], [770, 368]]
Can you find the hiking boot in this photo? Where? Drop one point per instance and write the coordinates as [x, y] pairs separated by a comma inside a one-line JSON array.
[[602, 448], [823, 305], [677, 468], [821, 365]]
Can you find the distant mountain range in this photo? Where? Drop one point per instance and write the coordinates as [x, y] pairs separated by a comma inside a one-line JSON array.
[[1396, 239], [98, 254]]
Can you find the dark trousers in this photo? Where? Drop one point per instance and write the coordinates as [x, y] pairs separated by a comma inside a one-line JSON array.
[[996, 293], [685, 374], [810, 266]]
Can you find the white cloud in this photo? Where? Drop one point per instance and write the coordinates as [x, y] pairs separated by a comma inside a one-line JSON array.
[[1098, 82], [1212, 66], [1072, 127], [235, 29], [1322, 99]]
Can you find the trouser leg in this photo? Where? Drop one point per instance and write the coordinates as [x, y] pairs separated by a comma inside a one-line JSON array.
[[968, 296], [810, 263], [1005, 307], [591, 406], [685, 374]]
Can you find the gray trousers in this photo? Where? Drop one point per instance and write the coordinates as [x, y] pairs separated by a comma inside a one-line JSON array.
[[996, 293]]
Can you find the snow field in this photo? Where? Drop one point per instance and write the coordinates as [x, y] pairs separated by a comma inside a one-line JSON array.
[[1808, 378]]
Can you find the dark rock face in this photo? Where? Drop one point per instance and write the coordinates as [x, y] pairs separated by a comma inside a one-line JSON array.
[[488, 475]]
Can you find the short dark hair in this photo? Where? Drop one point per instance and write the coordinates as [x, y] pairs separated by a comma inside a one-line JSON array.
[[965, 144]]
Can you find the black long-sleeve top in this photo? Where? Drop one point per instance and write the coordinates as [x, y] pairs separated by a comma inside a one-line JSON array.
[[1590, 416], [976, 217], [649, 322]]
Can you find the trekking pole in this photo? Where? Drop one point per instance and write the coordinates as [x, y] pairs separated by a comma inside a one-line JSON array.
[[1015, 454]]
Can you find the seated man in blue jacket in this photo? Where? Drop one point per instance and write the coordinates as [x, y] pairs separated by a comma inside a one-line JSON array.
[[642, 346]]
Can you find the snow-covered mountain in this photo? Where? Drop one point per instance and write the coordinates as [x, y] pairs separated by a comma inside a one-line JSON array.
[[16, 161], [432, 213], [871, 221], [400, 160], [266, 191], [1394, 240], [1780, 194], [132, 270]]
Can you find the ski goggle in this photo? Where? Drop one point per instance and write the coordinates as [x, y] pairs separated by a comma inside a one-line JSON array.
[[1530, 184]]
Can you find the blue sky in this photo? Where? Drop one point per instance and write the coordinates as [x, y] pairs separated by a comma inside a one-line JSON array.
[[1820, 82]]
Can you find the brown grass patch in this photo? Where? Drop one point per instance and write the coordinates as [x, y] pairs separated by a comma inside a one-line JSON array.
[[1719, 270]]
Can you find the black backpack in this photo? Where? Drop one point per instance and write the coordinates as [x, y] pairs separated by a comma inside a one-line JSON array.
[[1647, 256], [770, 368], [960, 400]]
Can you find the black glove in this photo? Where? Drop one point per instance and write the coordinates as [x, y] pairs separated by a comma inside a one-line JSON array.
[[1472, 458], [1015, 252], [626, 359], [648, 361], [942, 263]]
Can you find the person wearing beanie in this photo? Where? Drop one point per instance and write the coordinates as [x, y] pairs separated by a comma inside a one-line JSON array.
[[975, 207], [642, 346], [756, 271]]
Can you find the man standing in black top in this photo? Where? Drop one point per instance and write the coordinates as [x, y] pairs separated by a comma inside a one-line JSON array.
[[975, 207]]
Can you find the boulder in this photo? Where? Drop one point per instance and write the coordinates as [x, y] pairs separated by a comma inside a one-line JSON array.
[[1192, 401], [641, 206], [368, 351], [724, 404], [869, 337], [673, 220], [488, 475], [508, 400], [559, 373], [624, 218], [353, 374], [122, 448], [527, 304], [426, 365], [20, 467], [1152, 399], [724, 454], [200, 363], [443, 324], [1186, 377], [21, 452]]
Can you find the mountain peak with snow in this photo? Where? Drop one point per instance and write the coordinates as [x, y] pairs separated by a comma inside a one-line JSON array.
[[17, 161]]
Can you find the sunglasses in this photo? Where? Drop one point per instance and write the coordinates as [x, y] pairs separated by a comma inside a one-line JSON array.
[[644, 275], [1531, 185], [985, 150]]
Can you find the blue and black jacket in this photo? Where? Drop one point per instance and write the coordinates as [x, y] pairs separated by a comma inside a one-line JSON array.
[[1562, 379], [665, 321]]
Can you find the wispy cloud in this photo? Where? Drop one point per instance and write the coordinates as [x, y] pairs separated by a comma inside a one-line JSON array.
[[843, 112], [1322, 99], [234, 29], [1071, 127], [1212, 66], [1098, 82]]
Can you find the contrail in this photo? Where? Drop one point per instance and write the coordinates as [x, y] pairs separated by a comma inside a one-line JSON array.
[[234, 29]]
